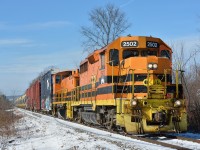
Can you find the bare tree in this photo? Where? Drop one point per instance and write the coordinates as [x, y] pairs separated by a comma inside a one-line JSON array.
[[108, 23], [180, 58], [193, 79]]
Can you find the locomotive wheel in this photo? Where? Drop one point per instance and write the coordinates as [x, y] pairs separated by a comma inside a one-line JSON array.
[[79, 118], [110, 119], [54, 113]]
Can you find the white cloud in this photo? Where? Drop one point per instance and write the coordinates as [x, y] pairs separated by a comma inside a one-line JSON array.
[[127, 3], [33, 26], [51, 24], [14, 41], [37, 63], [18, 73], [19, 68]]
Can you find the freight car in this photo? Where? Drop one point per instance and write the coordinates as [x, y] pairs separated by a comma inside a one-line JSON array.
[[33, 101], [46, 91], [39, 93], [126, 85]]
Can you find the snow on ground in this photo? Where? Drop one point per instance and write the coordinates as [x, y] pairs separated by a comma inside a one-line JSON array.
[[187, 144], [40, 132]]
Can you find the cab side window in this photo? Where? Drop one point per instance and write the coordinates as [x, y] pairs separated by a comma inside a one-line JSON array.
[[102, 57], [114, 57], [84, 67], [58, 79], [165, 53]]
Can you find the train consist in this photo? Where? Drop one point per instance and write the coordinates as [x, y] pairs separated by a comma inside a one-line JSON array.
[[126, 85]]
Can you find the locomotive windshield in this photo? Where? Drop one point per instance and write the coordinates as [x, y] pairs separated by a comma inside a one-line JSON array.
[[130, 53], [145, 53], [165, 53], [135, 53]]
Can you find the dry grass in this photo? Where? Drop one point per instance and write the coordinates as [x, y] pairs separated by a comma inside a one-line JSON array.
[[7, 121]]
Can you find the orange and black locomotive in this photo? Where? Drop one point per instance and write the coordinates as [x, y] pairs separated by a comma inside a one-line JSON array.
[[126, 85]]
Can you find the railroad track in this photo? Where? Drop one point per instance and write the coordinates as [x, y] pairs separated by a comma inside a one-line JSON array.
[[160, 143], [171, 136], [150, 138], [156, 138]]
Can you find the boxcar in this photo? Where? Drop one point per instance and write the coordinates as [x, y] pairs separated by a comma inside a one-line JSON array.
[[46, 91], [36, 95], [33, 96]]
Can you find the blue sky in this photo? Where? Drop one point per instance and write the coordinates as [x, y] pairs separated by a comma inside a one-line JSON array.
[[35, 34]]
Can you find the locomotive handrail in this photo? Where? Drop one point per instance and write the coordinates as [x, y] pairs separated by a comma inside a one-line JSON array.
[[177, 89], [177, 81], [133, 81], [61, 94], [112, 77], [165, 73], [148, 94]]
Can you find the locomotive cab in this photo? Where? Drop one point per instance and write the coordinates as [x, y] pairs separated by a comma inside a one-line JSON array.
[[147, 100]]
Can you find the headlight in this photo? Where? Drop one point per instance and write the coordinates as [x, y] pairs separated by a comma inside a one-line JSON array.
[[155, 66], [134, 103], [150, 66], [177, 103]]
